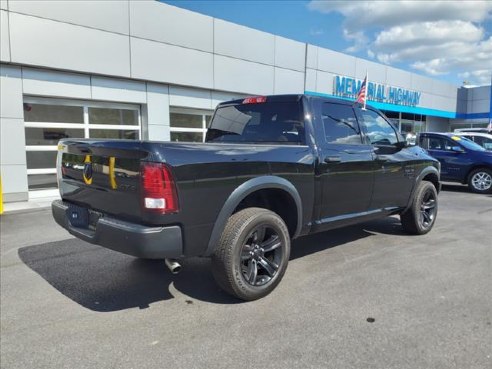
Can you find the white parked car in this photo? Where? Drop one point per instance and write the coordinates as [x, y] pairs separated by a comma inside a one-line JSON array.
[[483, 139]]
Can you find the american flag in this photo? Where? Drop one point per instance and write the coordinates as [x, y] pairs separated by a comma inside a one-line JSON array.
[[361, 95]]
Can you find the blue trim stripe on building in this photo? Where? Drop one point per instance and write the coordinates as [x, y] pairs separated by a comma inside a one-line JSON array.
[[410, 109]]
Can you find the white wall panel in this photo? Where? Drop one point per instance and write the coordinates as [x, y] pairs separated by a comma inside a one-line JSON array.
[[310, 80], [4, 37], [53, 44], [242, 42], [190, 97], [421, 84], [4, 4], [165, 23], [435, 124], [444, 89], [288, 81], [219, 96], [159, 133], [157, 104], [11, 92], [111, 89], [335, 62], [324, 82], [14, 180], [377, 72], [290, 54], [426, 100], [12, 136], [480, 106], [312, 57], [51, 83], [156, 61], [108, 15], [443, 103], [398, 78], [242, 76], [479, 93]]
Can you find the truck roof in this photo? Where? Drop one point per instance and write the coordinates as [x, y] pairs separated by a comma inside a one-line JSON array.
[[290, 98]]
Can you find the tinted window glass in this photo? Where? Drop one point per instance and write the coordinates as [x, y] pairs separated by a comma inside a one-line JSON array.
[[41, 181], [270, 122], [186, 120], [469, 144], [41, 159], [340, 125], [379, 131], [186, 136], [438, 143], [113, 116], [113, 133], [53, 113], [50, 136]]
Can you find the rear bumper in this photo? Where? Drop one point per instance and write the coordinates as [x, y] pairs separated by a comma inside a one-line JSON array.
[[125, 237]]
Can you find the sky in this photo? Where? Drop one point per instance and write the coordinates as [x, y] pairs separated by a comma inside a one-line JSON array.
[[447, 40]]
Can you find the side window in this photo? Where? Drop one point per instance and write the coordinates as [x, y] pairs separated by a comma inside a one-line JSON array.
[[340, 125], [440, 143], [424, 142], [478, 139], [379, 131], [487, 143]]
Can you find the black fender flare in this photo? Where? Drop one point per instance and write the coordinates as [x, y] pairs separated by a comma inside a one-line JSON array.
[[240, 193], [420, 177]]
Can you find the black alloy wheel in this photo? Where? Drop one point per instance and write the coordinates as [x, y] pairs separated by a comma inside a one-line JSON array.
[[252, 255], [421, 215], [261, 255], [428, 209]]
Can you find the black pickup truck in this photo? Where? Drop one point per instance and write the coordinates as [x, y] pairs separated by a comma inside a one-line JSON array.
[[273, 168]]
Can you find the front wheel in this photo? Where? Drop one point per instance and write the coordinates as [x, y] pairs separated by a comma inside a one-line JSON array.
[[420, 217], [252, 254], [480, 180]]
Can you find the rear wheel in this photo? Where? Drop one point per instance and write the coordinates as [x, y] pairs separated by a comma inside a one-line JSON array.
[[480, 180], [421, 216], [252, 254]]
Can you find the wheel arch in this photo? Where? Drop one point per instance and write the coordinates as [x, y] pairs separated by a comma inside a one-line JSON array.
[[247, 189], [430, 174]]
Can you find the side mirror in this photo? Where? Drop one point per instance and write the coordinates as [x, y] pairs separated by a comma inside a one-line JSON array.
[[402, 144], [457, 149]]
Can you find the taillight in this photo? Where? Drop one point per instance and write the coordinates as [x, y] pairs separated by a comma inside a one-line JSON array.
[[254, 100], [158, 188]]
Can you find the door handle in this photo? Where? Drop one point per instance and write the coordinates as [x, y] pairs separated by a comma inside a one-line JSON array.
[[332, 159]]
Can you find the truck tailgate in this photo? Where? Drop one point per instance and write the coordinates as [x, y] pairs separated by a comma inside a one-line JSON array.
[[102, 175]]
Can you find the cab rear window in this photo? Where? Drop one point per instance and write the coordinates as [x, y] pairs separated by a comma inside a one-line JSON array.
[[266, 122]]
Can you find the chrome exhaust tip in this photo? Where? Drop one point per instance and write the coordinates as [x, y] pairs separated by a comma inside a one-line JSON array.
[[173, 265]]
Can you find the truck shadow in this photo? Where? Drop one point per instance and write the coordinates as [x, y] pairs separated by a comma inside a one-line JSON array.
[[102, 280]]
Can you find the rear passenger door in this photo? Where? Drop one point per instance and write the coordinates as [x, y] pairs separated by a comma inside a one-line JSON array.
[[346, 164]]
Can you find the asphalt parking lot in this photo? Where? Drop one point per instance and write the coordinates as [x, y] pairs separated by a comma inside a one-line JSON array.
[[366, 296]]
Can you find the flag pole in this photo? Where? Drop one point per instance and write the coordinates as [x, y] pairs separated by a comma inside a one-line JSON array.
[[367, 90]]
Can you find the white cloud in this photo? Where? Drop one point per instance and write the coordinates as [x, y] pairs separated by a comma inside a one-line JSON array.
[[360, 15], [435, 37], [483, 76], [316, 32], [358, 38], [427, 33]]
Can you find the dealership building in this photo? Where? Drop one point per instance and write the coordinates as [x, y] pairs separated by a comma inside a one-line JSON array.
[[148, 70]]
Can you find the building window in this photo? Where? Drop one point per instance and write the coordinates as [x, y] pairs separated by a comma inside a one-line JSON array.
[[49, 120], [189, 125]]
